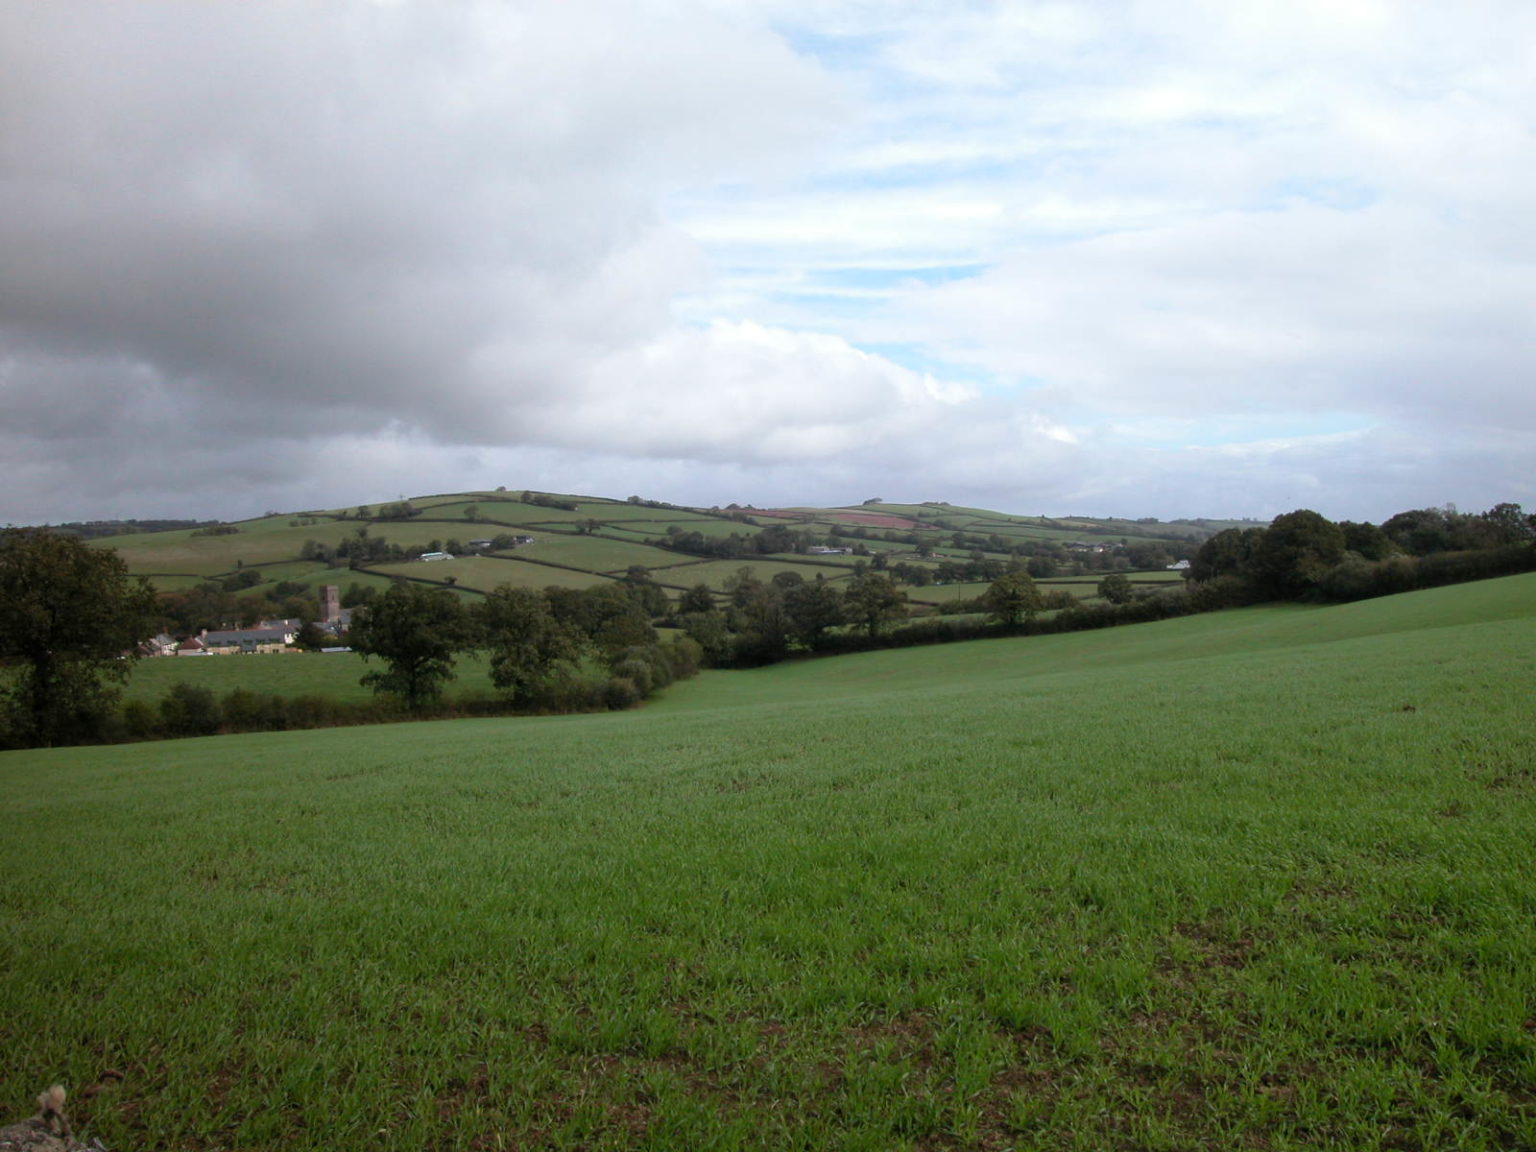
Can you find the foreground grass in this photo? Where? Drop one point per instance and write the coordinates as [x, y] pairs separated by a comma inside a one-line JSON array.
[[1183, 885]]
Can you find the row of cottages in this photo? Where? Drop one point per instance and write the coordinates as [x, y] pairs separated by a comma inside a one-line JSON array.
[[268, 636]]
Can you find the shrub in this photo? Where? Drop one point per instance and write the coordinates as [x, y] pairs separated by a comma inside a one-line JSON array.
[[621, 693], [247, 711], [140, 720], [189, 710]]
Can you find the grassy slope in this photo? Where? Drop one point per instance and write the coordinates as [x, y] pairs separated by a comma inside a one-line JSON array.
[[1205, 883]]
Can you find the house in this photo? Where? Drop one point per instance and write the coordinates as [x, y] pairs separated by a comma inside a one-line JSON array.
[[823, 550], [160, 645], [1179, 566], [436, 556], [248, 640]]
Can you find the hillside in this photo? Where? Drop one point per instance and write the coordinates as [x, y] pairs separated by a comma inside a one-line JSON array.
[[1252, 879], [578, 541]]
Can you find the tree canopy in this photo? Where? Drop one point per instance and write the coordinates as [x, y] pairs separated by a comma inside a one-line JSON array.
[[71, 620], [417, 632], [1012, 597], [872, 599], [523, 638]]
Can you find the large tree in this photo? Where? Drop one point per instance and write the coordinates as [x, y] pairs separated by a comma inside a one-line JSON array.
[[523, 638], [872, 599], [1228, 553], [813, 607], [1011, 598], [417, 632], [71, 620], [1295, 553]]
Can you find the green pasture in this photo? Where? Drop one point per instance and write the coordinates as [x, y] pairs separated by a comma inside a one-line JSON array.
[[715, 573], [615, 512], [182, 552], [515, 512], [710, 526], [484, 573], [332, 674], [1257, 879], [343, 578], [944, 593], [474, 573], [595, 553]]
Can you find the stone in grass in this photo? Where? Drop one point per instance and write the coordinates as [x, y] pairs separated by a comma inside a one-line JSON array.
[[48, 1131]]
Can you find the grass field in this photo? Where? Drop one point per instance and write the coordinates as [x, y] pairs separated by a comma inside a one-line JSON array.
[[332, 674], [1256, 879]]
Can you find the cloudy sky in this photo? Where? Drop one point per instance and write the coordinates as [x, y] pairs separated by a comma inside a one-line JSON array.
[[1180, 258]]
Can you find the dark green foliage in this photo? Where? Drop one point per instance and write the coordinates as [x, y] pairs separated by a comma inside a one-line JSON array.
[[645, 592], [1509, 523], [189, 710], [699, 598], [621, 693], [1012, 598], [612, 616], [1116, 588], [811, 609], [1366, 540], [311, 637], [523, 638], [356, 595], [761, 624], [417, 632], [1422, 530], [1297, 549], [241, 580], [708, 630], [71, 620], [873, 600], [1226, 554], [647, 666]]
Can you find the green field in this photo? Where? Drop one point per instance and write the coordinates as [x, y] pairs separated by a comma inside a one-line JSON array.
[[1256, 879], [331, 674]]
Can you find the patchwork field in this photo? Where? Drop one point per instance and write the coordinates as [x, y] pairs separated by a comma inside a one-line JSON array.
[[1255, 879], [588, 543]]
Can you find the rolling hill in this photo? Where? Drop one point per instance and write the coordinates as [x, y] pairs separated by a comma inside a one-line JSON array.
[[578, 541]]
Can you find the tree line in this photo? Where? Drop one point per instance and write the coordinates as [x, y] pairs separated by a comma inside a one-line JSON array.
[[71, 617]]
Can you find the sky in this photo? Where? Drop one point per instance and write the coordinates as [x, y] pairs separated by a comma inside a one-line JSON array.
[[1171, 258]]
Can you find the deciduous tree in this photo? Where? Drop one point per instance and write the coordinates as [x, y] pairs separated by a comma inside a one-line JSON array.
[[71, 620], [811, 608], [1116, 588], [1296, 551], [417, 632], [872, 599], [1012, 598], [523, 638]]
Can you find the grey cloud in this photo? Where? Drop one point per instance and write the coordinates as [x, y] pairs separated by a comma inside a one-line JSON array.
[[366, 213]]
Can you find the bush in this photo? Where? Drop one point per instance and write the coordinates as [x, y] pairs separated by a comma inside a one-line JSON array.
[[621, 693], [189, 710], [140, 720], [247, 711], [686, 657]]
